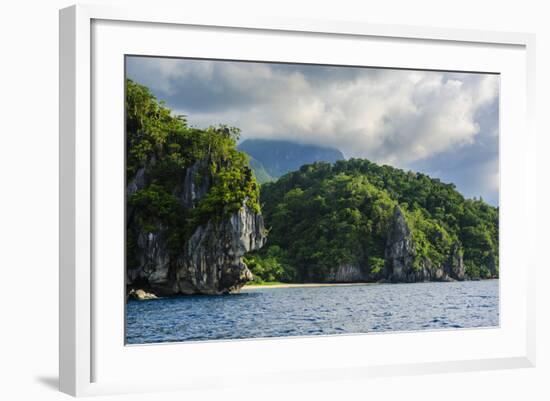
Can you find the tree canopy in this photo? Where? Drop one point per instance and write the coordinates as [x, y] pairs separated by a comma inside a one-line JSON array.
[[324, 215]]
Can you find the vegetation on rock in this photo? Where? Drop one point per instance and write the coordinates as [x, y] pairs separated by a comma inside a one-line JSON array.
[[161, 149], [326, 215], [321, 217]]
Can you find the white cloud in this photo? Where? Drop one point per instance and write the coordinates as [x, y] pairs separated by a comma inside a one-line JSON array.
[[397, 117], [393, 116]]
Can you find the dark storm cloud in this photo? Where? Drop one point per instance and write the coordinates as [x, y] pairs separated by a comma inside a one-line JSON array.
[[444, 124]]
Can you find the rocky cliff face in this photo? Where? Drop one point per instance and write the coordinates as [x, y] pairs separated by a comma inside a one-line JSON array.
[[400, 252], [454, 267], [210, 260], [401, 264], [192, 192], [347, 273], [400, 255]]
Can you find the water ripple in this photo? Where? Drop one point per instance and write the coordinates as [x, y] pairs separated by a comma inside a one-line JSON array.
[[280, 312]]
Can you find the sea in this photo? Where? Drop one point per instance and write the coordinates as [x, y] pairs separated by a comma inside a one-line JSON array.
[[311, 311]]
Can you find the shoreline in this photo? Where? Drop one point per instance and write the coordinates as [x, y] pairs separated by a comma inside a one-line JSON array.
[[141, 295], [303, 285], [306, 285]]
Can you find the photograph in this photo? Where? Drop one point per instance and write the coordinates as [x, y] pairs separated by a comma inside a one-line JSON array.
[[295, 200], [267, 199]]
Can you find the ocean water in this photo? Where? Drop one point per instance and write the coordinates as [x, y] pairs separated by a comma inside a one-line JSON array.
[[282, 312]]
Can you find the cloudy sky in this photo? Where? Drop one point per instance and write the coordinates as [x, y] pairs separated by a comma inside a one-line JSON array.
[[443, 124]]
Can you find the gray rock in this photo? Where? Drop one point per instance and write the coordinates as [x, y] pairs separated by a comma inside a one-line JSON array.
[[154, 262], [196, 183], [210, 260], [141, 295], [400, 251], [137, 183], [400, 254], [455, 265], [347, 273]]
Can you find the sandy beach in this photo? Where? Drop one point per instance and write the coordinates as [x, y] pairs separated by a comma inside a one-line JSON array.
[[302, 285]]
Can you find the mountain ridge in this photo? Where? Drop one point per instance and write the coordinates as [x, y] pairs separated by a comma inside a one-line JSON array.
[[272, 158]]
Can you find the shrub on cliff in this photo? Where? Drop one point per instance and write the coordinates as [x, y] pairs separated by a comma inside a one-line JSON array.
[[160, 148]]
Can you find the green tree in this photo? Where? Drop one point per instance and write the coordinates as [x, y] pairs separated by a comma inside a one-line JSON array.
[[326, 215]]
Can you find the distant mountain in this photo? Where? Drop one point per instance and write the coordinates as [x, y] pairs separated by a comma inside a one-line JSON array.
[[270, 159], [260, 172]]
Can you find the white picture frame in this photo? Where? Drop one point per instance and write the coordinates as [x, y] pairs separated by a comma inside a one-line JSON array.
[[89, 364]]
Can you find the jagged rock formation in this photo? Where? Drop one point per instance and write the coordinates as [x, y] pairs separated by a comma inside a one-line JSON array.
[[400, 252], [402, 263], [454, 267], [401, 255], [347, 273], [193, 192], [140, 295], [210, 260]]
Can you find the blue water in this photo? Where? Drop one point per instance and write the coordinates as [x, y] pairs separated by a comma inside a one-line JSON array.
[[281, 312]]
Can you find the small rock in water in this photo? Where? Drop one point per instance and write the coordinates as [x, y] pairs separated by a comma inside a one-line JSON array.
[[141, 295]]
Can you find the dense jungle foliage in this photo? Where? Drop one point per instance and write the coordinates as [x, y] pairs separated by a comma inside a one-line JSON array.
[[320, 216], [159, 149], [324, 215]]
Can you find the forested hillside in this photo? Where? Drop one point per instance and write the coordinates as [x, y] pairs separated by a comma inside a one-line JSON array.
[[194, 210], [324, 216]]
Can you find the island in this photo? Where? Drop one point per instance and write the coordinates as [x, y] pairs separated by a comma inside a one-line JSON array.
[[198, 221]]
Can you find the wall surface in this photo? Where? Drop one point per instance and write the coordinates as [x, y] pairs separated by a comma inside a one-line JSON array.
[[29, 187]]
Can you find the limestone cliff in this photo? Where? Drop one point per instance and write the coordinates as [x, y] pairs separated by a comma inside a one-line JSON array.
[[400, 252], [347, 273], [209, 260], [403, 263]]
